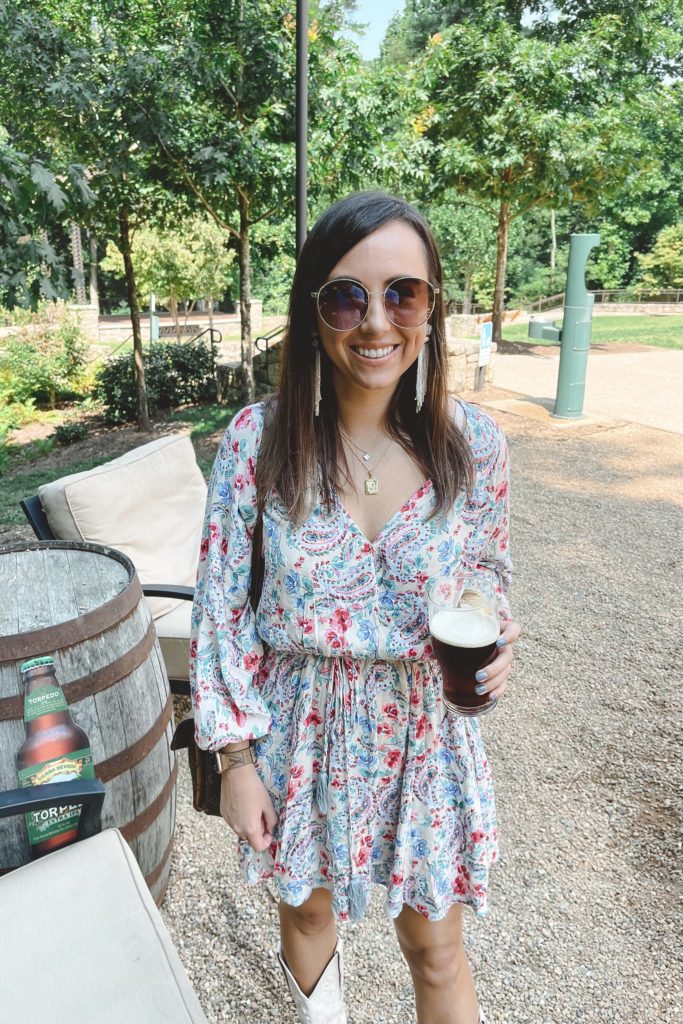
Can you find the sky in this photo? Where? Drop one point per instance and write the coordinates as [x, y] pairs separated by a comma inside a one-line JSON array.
[[377, 14]]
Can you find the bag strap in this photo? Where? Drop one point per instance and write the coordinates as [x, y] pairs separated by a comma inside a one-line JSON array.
[[257, 561]]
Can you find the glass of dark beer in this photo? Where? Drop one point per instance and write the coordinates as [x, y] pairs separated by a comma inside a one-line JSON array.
[[464, 627]]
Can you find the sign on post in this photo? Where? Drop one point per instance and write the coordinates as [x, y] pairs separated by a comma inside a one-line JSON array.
[[485, 342]]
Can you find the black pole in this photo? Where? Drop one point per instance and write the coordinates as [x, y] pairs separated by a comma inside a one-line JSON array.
[[301, 122]]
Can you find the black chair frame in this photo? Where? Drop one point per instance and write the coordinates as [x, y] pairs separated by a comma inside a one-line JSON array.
[[89, 793]]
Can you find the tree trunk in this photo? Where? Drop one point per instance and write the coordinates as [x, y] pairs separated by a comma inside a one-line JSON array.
[[245, 303], [173, 306], [94, 285], [501, 260], [77, 259], [553, 251], [143, 413], [467, 291]]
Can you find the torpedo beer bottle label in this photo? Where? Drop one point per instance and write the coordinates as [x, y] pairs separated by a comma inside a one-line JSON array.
[[43, 701], [53, 821], [55, 750]]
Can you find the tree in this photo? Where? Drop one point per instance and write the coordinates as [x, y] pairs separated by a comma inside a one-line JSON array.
[[517, 122], [74, 101], [466, 237], [663, 266], [33, 199], [179, 265]]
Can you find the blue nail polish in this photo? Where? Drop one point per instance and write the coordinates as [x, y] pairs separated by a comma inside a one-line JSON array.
[[480, 676], [501, 641], [480, 689]]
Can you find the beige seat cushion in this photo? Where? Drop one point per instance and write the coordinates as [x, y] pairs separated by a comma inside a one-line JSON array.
[[173, 630], [149, 503], [85, 942]]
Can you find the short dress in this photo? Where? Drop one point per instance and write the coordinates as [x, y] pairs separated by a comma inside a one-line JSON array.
[[372, 780]]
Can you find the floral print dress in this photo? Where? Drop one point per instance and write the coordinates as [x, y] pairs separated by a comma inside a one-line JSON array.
[[371, 779]]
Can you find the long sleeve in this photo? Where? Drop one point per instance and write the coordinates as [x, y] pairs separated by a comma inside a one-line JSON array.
[[492, 500], [225, 648]]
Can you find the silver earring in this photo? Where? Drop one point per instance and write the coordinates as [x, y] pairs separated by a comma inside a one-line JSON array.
[[421, 376], [316, 377]]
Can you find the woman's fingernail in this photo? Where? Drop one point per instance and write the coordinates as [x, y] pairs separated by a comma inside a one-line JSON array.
[[501, 641], [480, 676], [480, 689]]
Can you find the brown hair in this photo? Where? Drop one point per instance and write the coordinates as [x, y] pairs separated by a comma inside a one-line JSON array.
[[296, 443]]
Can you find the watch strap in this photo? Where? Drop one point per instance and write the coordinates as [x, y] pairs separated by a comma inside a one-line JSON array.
[[228, 759]]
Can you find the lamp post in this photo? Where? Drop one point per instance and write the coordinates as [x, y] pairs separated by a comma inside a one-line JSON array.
[[301, 122]]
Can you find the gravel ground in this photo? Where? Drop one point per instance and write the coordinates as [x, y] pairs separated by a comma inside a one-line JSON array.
[[586, 911]]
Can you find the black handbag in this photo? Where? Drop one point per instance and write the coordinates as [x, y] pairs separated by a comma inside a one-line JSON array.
[[206, 779]]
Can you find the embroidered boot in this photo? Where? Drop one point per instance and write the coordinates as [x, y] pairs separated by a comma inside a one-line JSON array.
[[325, 1005]]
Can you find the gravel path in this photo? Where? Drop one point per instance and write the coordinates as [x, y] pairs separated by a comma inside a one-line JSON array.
[[586, 909]]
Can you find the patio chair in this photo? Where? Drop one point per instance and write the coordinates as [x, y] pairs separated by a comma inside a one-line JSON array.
[[148, 503], [85, 941]]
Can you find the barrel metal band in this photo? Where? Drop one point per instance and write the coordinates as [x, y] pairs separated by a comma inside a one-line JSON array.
[[37, 642], [94, 682], [153, 877], [128, 758], [137, 826]]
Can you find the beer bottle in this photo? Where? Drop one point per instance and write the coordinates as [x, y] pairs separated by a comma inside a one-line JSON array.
[[55, 750]]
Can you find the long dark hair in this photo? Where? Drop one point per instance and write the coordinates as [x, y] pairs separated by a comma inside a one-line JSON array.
[[296, 443]]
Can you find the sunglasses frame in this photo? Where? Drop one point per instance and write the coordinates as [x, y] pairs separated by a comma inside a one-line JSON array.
[[369, 294]]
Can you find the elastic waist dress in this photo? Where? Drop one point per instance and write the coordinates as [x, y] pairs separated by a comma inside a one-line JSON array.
[[334, 679]]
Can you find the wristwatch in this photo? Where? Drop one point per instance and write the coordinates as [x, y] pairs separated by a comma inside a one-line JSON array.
[[227, 759]]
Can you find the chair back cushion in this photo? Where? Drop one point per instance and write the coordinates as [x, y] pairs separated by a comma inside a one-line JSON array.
[[149, 503]]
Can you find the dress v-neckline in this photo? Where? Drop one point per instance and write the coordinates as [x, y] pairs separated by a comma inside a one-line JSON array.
[[425, 487]]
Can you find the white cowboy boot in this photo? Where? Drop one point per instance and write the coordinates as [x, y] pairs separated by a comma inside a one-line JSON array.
[[325, 1005]]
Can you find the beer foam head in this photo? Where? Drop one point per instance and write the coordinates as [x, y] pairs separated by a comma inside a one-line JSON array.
[[464, 627]]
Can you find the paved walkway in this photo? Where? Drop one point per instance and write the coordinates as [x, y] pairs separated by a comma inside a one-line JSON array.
[[642, 386]]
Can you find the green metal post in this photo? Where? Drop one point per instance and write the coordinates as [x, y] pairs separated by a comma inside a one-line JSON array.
[[577, 325], [575, 334]]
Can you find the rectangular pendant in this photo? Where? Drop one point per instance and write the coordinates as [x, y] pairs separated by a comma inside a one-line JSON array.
[[371, 485]]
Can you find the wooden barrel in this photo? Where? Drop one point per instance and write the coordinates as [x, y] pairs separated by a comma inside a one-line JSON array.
[[83, 605]]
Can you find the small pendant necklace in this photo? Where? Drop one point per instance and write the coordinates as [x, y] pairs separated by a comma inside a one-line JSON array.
[[371, 485]]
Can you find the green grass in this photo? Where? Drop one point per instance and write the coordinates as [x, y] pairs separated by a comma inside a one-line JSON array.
[[205, 419], [660, 331], [23, 485]]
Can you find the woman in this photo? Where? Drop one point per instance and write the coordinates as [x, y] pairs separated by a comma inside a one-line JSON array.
[[342, 767]]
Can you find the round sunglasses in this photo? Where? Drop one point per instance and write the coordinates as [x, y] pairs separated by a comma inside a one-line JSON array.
[[343, 304]]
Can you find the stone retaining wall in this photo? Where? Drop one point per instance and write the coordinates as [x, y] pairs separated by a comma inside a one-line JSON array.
[[461, 373]]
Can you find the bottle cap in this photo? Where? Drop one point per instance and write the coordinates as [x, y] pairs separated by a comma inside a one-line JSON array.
[[35, 662]]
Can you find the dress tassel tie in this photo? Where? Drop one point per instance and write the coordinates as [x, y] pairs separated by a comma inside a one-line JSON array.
[[321, 785], [358, 899]]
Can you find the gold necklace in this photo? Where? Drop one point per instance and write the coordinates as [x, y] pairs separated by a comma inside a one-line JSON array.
[[371, 485]]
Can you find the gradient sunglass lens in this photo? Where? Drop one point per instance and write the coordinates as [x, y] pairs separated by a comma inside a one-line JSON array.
[[343, 304], [409, 301]]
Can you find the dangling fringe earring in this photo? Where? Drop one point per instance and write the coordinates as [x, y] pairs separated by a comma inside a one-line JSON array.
[[421, 376], [316, 377]]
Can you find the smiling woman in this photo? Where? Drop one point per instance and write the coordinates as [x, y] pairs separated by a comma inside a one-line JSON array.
[[370, 483]]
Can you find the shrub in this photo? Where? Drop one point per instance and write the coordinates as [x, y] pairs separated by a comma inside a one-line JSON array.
[[176, 373], [44, 360], [69, 433]]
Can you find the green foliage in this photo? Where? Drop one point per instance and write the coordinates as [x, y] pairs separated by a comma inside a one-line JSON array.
[[179, 264], [662, 267], [69, 433], [176, 373], [45, 360]]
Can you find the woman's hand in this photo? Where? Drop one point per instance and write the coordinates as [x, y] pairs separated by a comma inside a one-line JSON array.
[[493, 678], [247, 807]]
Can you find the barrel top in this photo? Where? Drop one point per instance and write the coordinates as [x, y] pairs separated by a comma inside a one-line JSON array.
[[46, 583]]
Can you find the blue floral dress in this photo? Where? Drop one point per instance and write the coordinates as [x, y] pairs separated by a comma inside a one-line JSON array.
[[371, 779]]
